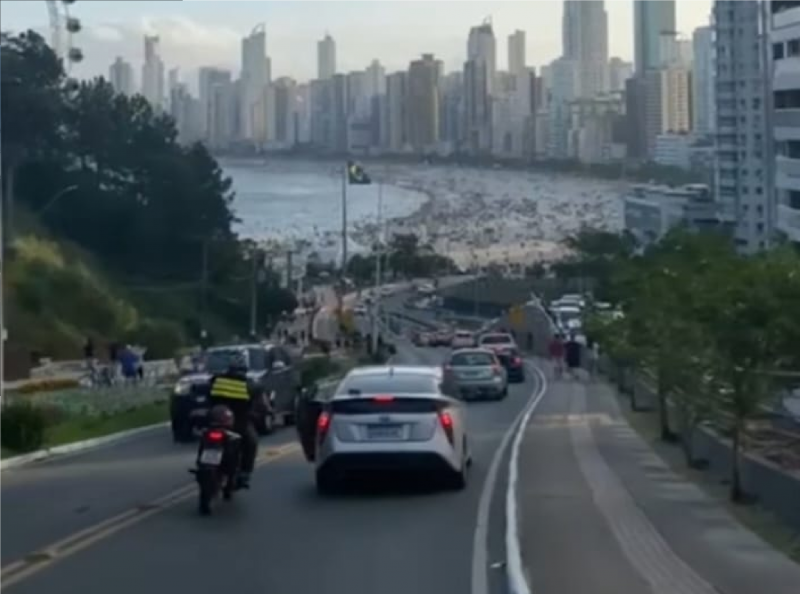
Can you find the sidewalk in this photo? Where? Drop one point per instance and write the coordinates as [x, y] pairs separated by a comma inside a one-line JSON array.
[[600, 513]]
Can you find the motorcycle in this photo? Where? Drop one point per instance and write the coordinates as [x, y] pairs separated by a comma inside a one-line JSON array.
[[218, 459]]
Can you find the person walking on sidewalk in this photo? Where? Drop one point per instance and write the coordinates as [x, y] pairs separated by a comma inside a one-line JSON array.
[[572, 356], [556, 349]]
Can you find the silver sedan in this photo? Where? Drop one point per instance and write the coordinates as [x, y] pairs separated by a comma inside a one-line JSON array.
[[475, 374]]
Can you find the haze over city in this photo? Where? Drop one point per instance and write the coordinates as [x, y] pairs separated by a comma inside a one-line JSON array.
[[195, 34]]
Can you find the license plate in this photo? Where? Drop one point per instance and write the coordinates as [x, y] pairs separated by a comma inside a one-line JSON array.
[[199, 412], [213, 457], [385, 432]]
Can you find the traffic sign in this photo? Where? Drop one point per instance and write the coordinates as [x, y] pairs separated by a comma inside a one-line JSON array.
[[516, 316]]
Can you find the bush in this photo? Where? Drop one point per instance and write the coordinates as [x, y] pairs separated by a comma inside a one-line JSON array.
[[46, 385], [314, 369], [22, 426]]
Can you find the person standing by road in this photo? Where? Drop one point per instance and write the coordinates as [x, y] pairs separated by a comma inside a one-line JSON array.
[[572, 355], [556, 349]]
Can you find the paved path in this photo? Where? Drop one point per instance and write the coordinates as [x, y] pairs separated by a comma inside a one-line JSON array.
[[602, 514], [278, 537]]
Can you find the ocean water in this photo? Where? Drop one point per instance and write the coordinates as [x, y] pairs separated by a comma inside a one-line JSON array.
[[293, 202]]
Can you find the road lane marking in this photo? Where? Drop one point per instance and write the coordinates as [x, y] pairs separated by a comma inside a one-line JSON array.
[[480, 542], [515, 570], [45, 557]]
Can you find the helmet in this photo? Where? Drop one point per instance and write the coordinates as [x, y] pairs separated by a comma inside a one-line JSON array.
[[237, 362], [220, 416]]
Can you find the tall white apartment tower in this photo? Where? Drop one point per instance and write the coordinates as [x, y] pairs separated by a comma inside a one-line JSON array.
[[784, 25], [703, 99], [153, 73], [585, 39], [120, 75], [326, 58], [516, 53], [743, 176]]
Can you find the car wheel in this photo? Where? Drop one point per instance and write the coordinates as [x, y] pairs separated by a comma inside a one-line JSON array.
[[458, 481], [266, 423], [181, 431], [326, 484]]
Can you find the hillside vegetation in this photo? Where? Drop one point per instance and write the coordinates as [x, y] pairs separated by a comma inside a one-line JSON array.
[[111, 219]]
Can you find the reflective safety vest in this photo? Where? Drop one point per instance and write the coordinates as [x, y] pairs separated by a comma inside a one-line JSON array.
[[228, 387]]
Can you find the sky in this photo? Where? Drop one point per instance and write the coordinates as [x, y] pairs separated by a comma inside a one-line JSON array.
[[198, 33]]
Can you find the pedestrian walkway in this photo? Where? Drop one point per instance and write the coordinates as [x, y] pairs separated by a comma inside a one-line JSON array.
[[601, 513]]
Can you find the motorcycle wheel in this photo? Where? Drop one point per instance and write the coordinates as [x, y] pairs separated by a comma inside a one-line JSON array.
[[209, 487]]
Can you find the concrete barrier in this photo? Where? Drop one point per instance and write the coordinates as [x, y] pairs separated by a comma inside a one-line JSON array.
[[776, 489]]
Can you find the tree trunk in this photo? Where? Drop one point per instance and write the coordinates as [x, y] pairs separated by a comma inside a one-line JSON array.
[[663, 410], [736, 480]]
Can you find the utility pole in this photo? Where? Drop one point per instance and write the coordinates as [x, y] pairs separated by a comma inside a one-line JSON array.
[[376, 305], [204, 288], [254, 258]]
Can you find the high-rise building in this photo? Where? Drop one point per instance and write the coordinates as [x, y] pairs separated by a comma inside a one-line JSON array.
[[565, 88], [120, 75], [703, 82], [326, 58], [651, 19], [784, 29], [211, 100], [481, 47], [585, 40], [423, 102], [516, 53], [376, 79], [153, 73], [743, 177], [255, 79], [619, 71], [286, 124], [397, 112]]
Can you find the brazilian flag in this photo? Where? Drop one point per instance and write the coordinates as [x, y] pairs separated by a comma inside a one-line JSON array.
[[356, 175]]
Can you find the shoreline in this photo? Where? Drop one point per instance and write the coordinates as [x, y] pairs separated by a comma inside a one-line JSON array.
[[476, 216]]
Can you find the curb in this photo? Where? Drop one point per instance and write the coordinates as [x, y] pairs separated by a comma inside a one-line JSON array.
[[75, 447]]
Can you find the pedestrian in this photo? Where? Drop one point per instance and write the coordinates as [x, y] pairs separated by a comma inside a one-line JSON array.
[[556, 349], [572, 355]]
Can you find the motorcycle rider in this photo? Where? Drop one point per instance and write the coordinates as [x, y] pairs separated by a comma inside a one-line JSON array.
[[231, 389]]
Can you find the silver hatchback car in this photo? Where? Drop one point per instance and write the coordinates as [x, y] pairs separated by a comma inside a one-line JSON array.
[[475, 374], [393, 418]]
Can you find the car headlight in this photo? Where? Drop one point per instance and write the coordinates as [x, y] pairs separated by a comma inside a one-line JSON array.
[[182, 388]]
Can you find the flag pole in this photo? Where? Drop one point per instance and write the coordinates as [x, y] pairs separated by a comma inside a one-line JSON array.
[[376, 307], [343, 273]]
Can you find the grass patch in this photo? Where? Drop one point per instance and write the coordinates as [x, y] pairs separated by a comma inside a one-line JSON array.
[[754, 517], [80, 428]]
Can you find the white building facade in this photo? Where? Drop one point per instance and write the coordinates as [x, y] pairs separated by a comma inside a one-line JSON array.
[[785, 50]]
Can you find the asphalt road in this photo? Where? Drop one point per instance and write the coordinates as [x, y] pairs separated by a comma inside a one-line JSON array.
[[278, 537]]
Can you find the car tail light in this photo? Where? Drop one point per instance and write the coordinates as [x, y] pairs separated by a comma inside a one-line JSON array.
[[323, 424], [215, 435], [517, 361], [383, 398], [446, 421]]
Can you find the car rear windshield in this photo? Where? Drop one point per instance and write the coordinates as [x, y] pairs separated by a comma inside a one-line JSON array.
[[386, 384], [378, 405], [471, 360], [218, 360], [496, 339]]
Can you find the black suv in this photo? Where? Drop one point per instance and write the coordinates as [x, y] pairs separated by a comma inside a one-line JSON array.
[[273, 377]]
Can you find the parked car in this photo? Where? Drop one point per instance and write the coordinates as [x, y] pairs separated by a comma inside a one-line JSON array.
[[385, 419], [473, 374], [463, 339], [442, 337], [497, 341], [273, 378], [421, 339], [511, 359]]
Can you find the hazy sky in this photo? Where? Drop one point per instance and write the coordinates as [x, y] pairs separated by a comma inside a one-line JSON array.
[[208, 32]]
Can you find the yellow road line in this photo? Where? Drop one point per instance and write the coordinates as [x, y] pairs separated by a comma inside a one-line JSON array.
[[35, 562]]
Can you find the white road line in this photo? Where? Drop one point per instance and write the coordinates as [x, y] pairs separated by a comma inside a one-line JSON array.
[[480, 542], [515, 570]]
